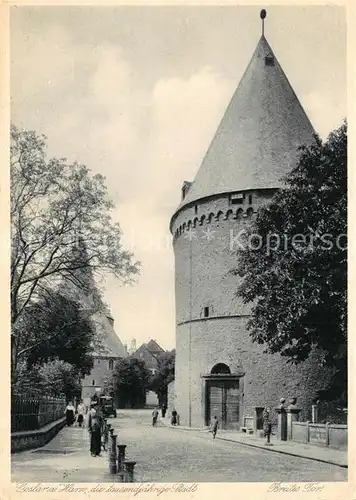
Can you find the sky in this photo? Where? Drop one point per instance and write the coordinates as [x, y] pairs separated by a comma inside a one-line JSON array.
[[137, 93]]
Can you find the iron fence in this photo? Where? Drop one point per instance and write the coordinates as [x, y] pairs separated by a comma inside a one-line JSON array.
[[33, 413]]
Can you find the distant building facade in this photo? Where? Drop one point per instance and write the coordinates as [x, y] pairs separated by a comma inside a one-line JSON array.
[[106, 354], [149, 353], [107, 347]]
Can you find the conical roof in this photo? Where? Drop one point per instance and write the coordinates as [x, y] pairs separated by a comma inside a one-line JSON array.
[[110, 344], [257, 140], [80, 286]]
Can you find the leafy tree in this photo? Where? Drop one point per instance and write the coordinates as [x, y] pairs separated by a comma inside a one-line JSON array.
[[164, 375], [56, 378], [130, 380], [294, 262], [61, 226], [59, 377], [55, 328]]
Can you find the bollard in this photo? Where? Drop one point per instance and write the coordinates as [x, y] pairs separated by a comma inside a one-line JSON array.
[[121, 476], [129, 470], [109, 444], [112, 455], [121, 449]]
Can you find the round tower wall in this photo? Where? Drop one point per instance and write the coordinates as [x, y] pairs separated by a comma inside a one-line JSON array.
[[205, 243]]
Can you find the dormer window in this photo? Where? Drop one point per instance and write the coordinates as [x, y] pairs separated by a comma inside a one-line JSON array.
[[185, 188], [269, 61]]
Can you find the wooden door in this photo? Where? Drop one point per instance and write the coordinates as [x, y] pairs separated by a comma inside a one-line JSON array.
[[223, 401]]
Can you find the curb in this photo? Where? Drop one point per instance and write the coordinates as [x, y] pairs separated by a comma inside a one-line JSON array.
[[282, 452]]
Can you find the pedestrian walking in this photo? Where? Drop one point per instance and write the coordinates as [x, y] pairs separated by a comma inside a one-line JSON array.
[[164, 409], [267, 424], [154, 416], [215, 426], [70, 414], [81, 411], [94, 427], [174, 417]]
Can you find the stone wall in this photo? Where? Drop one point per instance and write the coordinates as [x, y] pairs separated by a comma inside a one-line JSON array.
[[204, 261], [332, 435], [26, 440], [171, 397]]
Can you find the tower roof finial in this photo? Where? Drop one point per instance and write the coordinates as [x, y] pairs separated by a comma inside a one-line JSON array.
[[263, 15]]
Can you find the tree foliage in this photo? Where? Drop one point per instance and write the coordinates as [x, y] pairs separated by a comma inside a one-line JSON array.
[[164, 375], [55, 378], [55, 327], [294, 262], [62, 237], [129, 382], [54, 203]]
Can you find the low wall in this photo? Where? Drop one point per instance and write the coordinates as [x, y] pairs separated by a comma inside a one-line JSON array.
[[333, 435], [26, 440], [171, 397]]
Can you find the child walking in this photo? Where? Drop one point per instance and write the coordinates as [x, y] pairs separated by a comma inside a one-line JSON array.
[[215, 426]]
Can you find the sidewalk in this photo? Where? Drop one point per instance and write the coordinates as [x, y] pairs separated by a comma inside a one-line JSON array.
[[64, 459], [312, 452]]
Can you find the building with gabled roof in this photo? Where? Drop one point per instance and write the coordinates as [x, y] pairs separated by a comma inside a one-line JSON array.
[[148, 352], [219, 371], [107, 347]]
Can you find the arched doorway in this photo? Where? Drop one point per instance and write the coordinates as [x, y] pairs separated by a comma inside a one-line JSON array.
[[222, 396], [220, 368]]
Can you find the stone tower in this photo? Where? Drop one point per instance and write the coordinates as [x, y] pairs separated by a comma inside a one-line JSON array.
[[219, 371], [79, 285]]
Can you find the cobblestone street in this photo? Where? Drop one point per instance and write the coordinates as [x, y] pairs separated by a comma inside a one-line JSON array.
[[164, 455]]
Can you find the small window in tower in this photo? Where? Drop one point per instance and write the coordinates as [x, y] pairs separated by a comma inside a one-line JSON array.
[[98, 361], [93, 382], [269, 61], [196, 209], [250, 199], [111, 364], [237, 199], [206, 312]]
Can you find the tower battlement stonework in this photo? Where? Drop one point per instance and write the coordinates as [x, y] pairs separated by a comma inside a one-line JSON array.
[[219, 370]]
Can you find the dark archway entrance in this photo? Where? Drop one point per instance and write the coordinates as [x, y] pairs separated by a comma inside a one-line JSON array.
[[220, 369], [223, 396]]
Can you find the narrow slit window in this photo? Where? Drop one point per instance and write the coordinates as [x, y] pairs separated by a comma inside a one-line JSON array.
[[206, 312], [93, 382], [250, 199]]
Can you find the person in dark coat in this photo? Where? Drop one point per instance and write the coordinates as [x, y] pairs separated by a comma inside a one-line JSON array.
[[174, 417], [94, 427], [70, 414], [164, 409], [267, 424]]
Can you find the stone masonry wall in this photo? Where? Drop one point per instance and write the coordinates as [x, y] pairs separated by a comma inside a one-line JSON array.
[[204, 259], [99, 372]]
